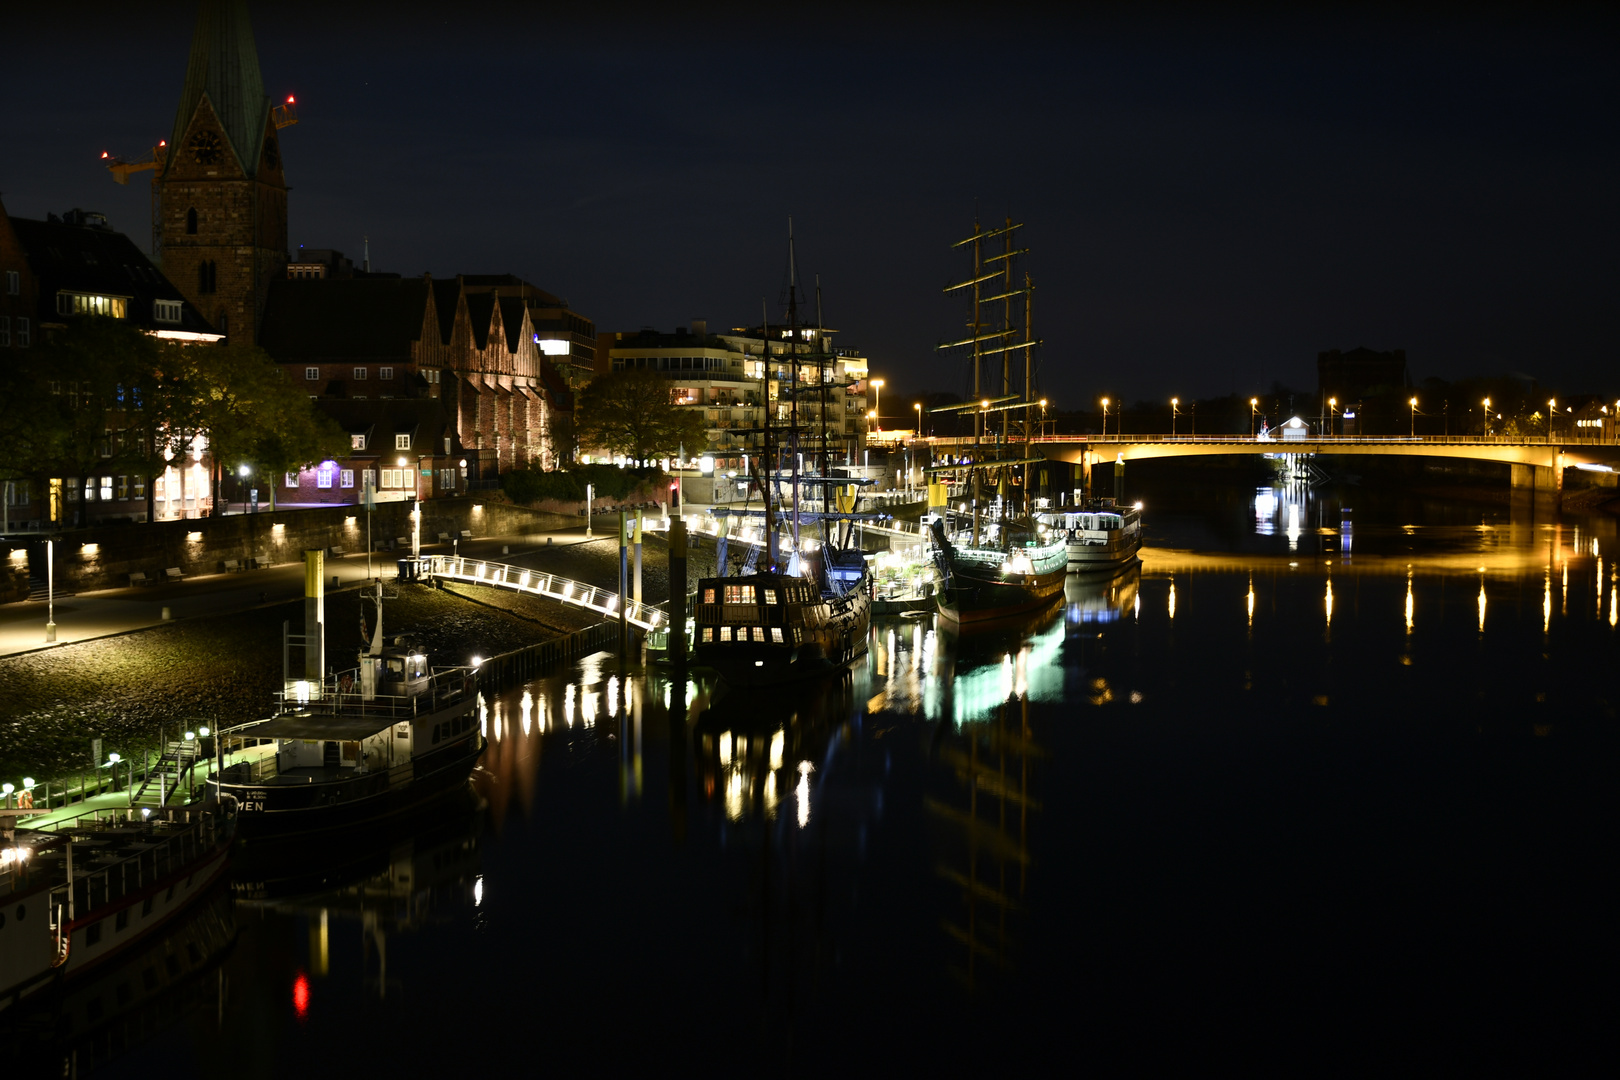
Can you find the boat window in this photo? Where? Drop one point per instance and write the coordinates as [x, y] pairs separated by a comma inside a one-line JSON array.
[[759, 633], [770, 595], [776, 634], [708, 633], [725, 633], [708, 596], [739, 594]]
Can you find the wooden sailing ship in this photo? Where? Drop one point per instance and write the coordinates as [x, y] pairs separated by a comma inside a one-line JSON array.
[[806, 613]]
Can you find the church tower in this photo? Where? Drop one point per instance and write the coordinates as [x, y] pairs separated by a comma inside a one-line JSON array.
[[224, 197]]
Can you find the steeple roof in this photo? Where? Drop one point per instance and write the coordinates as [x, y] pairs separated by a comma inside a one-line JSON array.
[[224, 65]]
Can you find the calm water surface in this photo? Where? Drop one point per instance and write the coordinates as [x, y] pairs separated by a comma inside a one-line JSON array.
[[1327, 782]]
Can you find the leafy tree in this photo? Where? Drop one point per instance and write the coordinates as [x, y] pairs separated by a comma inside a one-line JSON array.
[[630, 412]]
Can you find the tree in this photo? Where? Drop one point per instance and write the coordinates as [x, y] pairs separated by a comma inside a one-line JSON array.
[[630, 412]]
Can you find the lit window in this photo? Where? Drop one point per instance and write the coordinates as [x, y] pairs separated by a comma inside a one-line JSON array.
[[106, 488], [708, 596], [770, 595], [357, 442], [759, 633], [385, 373], [312, 373], [346, 478], [140, 487], [402, 442], [292, 479], [708, 633], [323, 477], [739, 594], [166, 310], [70, 303], [359, 374], [123, 487], [776, 634], [725, 633]]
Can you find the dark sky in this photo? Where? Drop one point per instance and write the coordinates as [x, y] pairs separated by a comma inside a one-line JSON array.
[[1211, 195]]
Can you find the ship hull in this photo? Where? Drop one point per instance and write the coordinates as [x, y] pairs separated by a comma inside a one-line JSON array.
[[836, 638], [271, 812], [983, 601]]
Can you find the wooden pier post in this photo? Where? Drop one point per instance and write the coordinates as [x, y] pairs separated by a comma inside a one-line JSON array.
[[677, 595]]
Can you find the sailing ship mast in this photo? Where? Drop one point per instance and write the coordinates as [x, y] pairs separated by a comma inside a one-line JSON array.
[[1002, 339]]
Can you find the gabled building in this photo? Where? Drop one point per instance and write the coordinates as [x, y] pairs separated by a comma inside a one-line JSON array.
[[403, 448], [378, 339]]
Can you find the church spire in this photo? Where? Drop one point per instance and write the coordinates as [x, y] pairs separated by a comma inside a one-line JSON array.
[[224, 65]]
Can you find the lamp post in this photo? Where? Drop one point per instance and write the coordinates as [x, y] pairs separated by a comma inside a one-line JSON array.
[[871, 421], [244, 472], [50, 590], [1105, 417], [1333, 406], [1552, 404], [1413, 430], [877, 405], [1485, 420], [1043, 416], [917, 406], [1175, 411], [1254, 412]]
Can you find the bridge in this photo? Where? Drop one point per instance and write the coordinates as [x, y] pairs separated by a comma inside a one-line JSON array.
[[539, 583], [1535, 463]]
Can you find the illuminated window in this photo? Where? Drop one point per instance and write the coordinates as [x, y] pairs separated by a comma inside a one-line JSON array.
[[725, 633], [770, 595], [708, 633], [123, 487], [357, 442], [140, 487], [708, 596], [759, 633], [776, 634], [402, 442], [166, 310], [291, 479], [346, 478], [71, 303], [106, 488], [739, 594], [312, 373], [323, 476]]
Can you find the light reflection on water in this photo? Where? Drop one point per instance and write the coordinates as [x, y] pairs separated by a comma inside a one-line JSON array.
[[1246, 743]]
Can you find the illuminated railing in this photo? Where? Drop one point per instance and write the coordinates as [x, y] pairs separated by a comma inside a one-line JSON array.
[[538, 583]]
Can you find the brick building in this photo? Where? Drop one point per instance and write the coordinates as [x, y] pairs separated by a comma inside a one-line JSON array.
[[474, 350], [221, 190]]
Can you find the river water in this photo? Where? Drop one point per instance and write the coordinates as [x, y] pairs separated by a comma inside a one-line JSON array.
[[1327, 782]]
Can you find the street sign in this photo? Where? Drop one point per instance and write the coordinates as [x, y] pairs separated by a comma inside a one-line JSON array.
[[95, 752]]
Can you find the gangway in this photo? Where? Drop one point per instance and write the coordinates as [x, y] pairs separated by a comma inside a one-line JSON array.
[[538, 583]]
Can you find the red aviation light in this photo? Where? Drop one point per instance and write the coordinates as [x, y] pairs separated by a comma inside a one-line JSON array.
[[289, 99], [301, 995]]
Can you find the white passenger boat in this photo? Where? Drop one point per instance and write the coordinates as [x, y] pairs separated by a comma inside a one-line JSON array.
[[1102, 537]]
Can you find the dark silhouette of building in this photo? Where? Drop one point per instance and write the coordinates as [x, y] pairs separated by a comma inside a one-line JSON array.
[[1361, 372]]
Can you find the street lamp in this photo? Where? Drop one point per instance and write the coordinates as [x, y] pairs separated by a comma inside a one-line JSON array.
[[244, 472], [1552, 403], [1485, 422], [1105, 417], [1413, 432], [1254, 411], [1175, 411], [917, 406]]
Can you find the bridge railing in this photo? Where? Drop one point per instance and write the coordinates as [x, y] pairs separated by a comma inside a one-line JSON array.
[[1272, 440], [540, 583]]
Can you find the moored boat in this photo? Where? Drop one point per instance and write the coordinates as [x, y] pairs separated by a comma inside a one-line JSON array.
[[988, 584], [77, 893], [358, 747], [1102, 536]]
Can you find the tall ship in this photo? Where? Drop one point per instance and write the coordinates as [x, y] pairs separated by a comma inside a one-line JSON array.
[[807, 610], [356, 746], [998, 562], [78, 893]]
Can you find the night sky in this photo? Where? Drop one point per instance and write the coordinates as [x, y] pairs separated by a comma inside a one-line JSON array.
[[1211, 196]]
